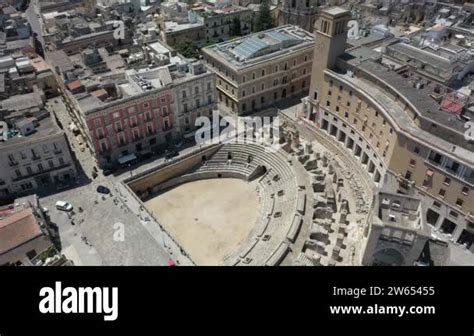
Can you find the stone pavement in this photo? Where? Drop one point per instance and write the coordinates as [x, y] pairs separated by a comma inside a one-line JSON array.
[[90, 241]]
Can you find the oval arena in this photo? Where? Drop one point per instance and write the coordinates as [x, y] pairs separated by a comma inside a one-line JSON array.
[[240, 204]]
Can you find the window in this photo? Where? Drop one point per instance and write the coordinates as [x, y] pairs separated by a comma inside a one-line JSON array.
[[465, 190], [416, 150], [263, 73], [459, 202], [51, 164], [263, 86], [209, 99], [184, 94], [243, 79], [412, 163], [149, 129], [198, 103], [29, 170], [436, 204], [61, 161], [408, 175], [346, 115], [442, 192], [253, 75], [147, 116], [453, 214], [447, 181], [196, 90], [328, 103], [243, 93], [329, 93], [40, 167]]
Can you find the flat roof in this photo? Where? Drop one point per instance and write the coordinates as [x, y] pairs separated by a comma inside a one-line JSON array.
[[420, 54], [259, 47], [335, 11]]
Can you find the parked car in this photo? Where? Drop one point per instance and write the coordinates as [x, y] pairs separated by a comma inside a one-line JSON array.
[[103, 190], [107, 172], [64, 206]]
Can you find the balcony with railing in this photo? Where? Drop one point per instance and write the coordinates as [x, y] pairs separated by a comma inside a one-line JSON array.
[[44, 171]]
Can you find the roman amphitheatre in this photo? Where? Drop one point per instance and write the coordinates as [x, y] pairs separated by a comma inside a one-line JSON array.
[[240, 204]]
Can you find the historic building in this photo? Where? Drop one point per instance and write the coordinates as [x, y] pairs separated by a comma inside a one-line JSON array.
[[405, 135], [301, 13], [255, 71]]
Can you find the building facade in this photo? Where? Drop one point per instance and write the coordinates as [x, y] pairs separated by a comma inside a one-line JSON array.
[[218, 22], [256, 71], [398, 132], [398, 234], [130, 127], [150, 121], [39, 160]]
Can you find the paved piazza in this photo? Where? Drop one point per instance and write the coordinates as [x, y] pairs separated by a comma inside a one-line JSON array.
[[208, 227]]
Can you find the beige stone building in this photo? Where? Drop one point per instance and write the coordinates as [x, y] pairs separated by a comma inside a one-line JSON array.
[[397, 130], [34, 153], [256, 71], [398, 233]]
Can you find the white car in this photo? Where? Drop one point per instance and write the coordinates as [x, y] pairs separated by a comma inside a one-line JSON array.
[[63, 206]]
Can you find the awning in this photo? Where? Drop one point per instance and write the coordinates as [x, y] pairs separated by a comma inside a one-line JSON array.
[[126, 158], [429, 173]]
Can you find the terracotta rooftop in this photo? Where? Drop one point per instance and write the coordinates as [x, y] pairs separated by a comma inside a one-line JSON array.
[[74, 85], [17, 229]]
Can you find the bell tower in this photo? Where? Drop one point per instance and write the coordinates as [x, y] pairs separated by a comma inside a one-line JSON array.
[[331, 37]]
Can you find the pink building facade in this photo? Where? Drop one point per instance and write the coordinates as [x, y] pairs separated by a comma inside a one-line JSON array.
[[136, 125]]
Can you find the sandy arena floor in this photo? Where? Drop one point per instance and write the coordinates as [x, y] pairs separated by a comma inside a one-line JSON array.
[[209, 218]]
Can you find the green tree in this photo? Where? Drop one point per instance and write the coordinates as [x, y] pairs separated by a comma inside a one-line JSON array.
[[264, 17], [235, 29], [186, 48]]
